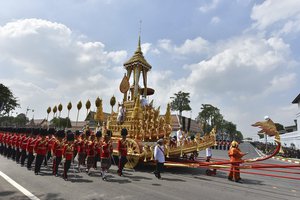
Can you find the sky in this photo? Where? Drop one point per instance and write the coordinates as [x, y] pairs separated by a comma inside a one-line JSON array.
[[241, 56]]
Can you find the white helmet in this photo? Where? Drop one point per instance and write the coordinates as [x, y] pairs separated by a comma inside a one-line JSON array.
[[267, 117]]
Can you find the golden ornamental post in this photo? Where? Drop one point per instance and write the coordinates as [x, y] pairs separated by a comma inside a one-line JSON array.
[[79, 106]]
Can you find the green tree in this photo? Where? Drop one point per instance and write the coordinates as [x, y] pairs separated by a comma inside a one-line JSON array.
[[210, 117], [21, 120], [230, 129], [181, 102], [8, 101], [61, 122]]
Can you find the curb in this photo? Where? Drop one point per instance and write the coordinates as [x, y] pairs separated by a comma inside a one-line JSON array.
[[296, 161], [287, 160]]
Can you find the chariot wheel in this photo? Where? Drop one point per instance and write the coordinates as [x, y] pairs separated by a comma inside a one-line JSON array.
[[133, 153]]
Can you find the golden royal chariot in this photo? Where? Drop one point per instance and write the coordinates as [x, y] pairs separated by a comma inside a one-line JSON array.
[[144, 122]]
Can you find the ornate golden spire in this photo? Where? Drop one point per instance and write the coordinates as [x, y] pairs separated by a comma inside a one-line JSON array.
[[138, 57], [139, 49]]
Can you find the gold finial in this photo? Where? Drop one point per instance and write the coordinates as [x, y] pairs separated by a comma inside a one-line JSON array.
[[139, 42]]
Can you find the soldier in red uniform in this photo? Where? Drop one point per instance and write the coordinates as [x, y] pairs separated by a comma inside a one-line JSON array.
[[40, 148], [68, 154], [98, 147], [107, 150], [23, 144], [76, 144], [29, 147], [122, 148], [50, 139], [81, 151], [235, 156], [90, 152], [9, 142], [18, 144], [1, 140], [57, 151]]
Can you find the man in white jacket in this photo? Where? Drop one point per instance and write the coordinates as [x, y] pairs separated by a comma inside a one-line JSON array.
[[159, 157]]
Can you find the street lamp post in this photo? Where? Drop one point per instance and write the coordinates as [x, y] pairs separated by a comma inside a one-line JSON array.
[[29, 109]]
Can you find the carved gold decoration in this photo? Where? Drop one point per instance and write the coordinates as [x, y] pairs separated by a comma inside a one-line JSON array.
[[268, 127], [124, 85]]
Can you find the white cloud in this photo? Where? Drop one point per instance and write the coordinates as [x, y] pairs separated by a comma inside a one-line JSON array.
[[52, 65], [195, 46], [145, 47], [272, 12], [215, 20], [209, 6]]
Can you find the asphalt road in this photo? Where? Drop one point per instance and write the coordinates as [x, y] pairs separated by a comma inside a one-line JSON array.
[[177, 183]]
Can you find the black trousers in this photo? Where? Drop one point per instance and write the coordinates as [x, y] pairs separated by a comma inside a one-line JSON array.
[[159, 169], [67, 166], [97, 158], [18, 155], [9, 151], [122, 161], [56, 163], [4, 150], [47, 157], [13, 153], [1, 148], [30, 160], [38, 162], [23, 156], [74, 155]]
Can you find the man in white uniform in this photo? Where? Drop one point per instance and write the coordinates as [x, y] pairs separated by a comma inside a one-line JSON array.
[[179, 136], [159, 157]]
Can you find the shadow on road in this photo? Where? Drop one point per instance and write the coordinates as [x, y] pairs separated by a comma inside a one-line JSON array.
[[6, 193]]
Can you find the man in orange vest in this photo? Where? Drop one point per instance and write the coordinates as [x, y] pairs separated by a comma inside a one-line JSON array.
[[235, 156]]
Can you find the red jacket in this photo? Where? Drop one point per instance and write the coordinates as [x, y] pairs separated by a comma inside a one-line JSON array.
[[81, 146], [1, 137], [122, 147], [98, 147], [41, 147], [57, 148], [19, 137], [30, 144], [90, 151], [68, 151], [107, 149], [23, 142]]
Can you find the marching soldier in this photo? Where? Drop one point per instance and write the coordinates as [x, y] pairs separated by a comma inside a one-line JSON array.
[[1, 140], [57, 151], [122, 148], [18, 144], [30, 146], [23, 144], [90, 152], [76, 144], [81, 151], [98, 148], [68, 154], [40, 148], [107, 150]]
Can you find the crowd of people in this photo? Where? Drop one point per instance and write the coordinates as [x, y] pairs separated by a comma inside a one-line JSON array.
[[31, 147], [28, 147], [288, 152]]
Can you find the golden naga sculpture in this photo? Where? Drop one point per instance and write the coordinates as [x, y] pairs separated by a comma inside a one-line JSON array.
[[143, 121], [268, 127]]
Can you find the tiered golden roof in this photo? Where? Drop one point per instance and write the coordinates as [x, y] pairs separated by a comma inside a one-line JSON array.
[[138, 58]]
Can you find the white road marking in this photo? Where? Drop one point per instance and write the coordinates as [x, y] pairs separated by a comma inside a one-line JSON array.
[[19, 187]]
